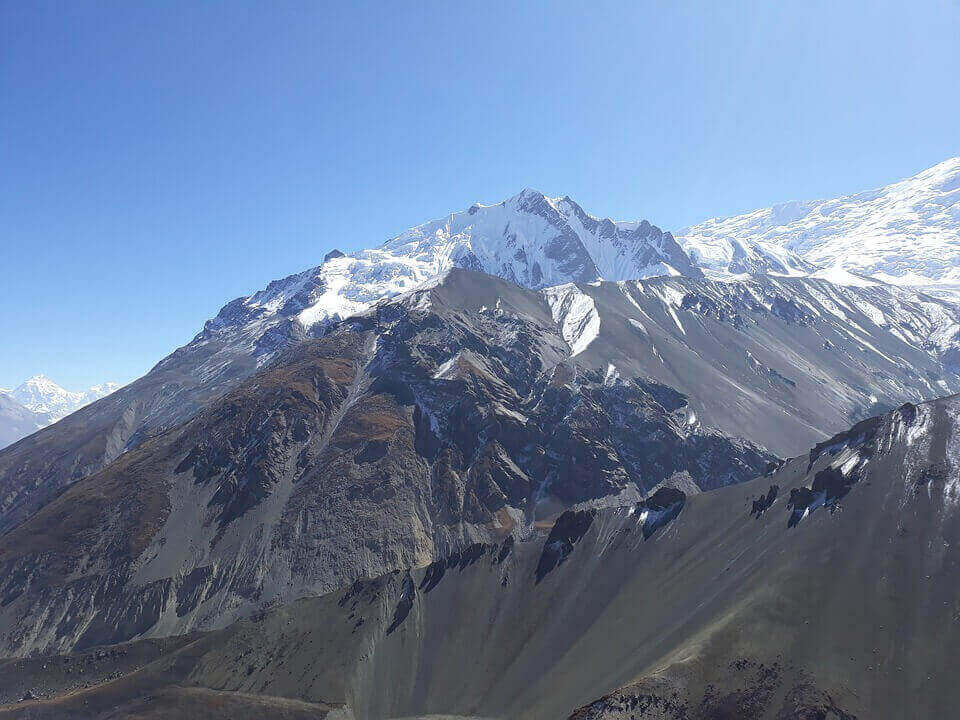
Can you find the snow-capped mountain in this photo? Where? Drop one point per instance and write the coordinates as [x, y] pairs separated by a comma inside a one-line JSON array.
[[50, 402], [530, 239], [907, 233]]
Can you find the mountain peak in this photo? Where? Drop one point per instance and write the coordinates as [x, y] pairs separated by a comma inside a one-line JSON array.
[[529, 239], [39, 378], [942, 177], [39, 383], [528, 192]]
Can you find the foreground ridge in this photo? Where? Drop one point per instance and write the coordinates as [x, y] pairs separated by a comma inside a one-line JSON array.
[[677, 606]]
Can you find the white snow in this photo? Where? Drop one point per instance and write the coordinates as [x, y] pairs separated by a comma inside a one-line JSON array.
[[444, 370], [576, 314], [673, 314], [839, 276], [849, 464], [530, 239], [906, 233], [728, 258], [50, 402], [612, 374]]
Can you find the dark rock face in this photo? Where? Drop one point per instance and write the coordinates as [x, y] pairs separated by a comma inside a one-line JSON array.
[[568, 530], [408, 594], [660, 509], [854, 449], [763, 503]]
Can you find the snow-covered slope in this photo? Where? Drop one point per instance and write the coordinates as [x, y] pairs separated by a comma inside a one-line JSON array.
[[50, 402], [724, 258], [529, 239], [906, 233]]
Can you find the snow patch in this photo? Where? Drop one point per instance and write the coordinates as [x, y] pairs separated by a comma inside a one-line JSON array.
[[576, 314]]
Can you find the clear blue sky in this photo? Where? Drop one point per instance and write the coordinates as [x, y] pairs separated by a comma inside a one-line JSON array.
[[158, 159]]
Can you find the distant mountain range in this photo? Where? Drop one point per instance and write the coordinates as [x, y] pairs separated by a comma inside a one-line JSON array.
[[38, 402]]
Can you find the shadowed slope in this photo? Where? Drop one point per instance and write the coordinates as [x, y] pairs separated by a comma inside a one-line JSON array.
[[717, 613]]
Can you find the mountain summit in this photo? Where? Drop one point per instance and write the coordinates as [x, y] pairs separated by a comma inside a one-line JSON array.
[[530, 239]]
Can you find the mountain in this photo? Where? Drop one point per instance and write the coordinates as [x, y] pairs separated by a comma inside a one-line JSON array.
[[907, 233], [826, 589], [451, 415], [16, 421], [50, 402], [529, 239]]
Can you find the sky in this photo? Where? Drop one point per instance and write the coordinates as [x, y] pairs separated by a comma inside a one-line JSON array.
[[158, 159]]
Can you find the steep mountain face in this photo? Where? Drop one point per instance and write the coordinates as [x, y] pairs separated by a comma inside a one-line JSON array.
[[450, 416], [824, 590], [16, 421], [50, 402], [804, 357], [39, 466], [906, 233], [456, 414], [529, 239]]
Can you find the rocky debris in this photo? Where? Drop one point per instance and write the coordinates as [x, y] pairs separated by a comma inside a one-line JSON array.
[[47, 677], [748, 688]]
